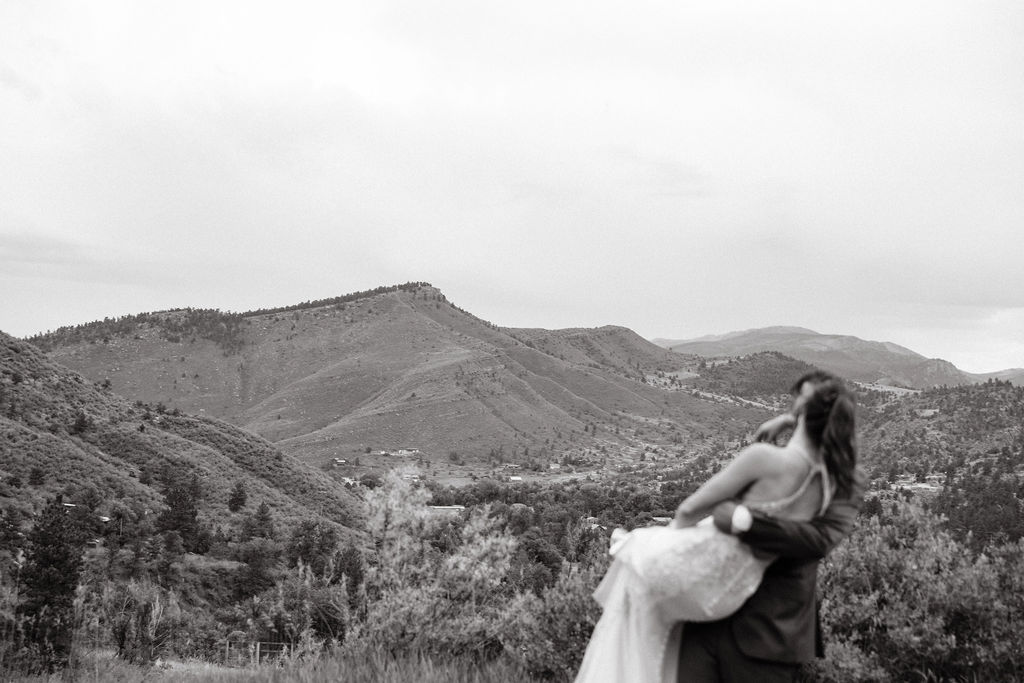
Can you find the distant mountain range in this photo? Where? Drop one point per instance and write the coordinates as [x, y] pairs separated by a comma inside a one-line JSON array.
[[851, 357], [399, 367]]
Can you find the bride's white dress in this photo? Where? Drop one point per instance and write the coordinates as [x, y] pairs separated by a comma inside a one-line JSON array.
[[661, 577]]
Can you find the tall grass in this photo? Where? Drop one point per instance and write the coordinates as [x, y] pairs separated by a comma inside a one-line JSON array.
[[370, 667]]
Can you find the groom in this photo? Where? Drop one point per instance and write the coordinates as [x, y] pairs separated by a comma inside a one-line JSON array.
[[778, 627]]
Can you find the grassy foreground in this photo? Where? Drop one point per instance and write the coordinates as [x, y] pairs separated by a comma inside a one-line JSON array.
[[374, 667]]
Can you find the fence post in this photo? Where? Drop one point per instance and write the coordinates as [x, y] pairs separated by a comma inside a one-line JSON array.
[[257, 653]]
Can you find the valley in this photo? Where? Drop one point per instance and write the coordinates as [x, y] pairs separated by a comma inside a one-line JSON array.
[[334, 471]]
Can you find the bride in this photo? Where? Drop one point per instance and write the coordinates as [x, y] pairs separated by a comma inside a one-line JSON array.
[[691, 571]]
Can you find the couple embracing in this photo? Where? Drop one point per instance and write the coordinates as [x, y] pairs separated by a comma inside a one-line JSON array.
[[726, 591]]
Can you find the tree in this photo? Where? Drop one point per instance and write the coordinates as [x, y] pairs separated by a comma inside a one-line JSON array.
[[36, 476], [312, 543], [11, 538], [182, 513], [236, 501], [370, 480], [260, 525], [81, 424], [349, 563], [49, 578], [260, 556]]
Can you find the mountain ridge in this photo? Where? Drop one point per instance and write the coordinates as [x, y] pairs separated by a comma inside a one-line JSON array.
[[400, 366], [850, 356]]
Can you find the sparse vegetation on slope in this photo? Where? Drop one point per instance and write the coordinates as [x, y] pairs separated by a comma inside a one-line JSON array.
[[403, 367], [222, 328]]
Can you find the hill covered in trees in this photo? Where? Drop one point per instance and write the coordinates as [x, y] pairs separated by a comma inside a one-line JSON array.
[[152, 517], [61, 433], [761, 376], [961, 447]]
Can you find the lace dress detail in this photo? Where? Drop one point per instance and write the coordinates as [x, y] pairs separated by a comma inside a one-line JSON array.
[[660, 577]]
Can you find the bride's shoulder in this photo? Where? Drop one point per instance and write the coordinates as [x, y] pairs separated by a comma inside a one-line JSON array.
[[760, 456], [761, 449]]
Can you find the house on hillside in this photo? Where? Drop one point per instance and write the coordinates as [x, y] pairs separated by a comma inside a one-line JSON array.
[[337, 462], [447, 509], [554, 467], [515, 478], [400, 452]]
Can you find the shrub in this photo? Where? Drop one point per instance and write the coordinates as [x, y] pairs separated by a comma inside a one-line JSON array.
[[420, 600], [548, 635], [906, 593], [142, 618]]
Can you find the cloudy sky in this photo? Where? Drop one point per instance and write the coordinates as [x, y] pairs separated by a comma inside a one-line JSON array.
[[680, 168]]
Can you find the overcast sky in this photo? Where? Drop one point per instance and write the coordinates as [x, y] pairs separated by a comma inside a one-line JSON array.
[[679, 168]]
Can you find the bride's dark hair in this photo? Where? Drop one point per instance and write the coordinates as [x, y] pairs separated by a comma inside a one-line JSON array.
[[830, 421]]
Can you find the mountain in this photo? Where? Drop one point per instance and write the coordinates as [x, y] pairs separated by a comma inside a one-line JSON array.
[[669, 343], [848, 356], [85, 441], [399, 367], [1014, 375]]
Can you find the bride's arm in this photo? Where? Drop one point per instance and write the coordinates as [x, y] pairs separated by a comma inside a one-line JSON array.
[[753, 463]]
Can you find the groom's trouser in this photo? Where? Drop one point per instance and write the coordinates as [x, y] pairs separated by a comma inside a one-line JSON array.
[[709, 653]]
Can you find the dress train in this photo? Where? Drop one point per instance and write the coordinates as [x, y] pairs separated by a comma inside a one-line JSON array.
[[659, 578]]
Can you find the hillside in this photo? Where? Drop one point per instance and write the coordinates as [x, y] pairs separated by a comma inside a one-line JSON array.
[[762, 376], [400, 367], [850, 357], [945, 428], [87, 442], [961, 446]]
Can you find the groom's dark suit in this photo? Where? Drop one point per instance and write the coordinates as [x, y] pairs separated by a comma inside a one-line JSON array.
[[778, 627]]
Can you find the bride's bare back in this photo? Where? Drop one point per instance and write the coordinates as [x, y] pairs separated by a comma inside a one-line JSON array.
[[793, 485]]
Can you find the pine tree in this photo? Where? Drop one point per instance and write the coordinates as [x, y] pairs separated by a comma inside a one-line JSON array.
[[36, 476], [49, 578], [81, 424], [182, 513], [236, 501], [260, 525]]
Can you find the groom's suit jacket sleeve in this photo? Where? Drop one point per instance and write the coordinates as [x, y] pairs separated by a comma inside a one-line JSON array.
[[808, 540], [780, 621]]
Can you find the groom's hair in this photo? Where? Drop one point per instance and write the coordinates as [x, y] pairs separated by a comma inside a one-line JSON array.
[[814, 377], [830, 421]]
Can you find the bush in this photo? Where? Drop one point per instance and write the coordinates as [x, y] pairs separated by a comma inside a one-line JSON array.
[[903, 595], [548, 635], [142, 618], [420, 600]]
